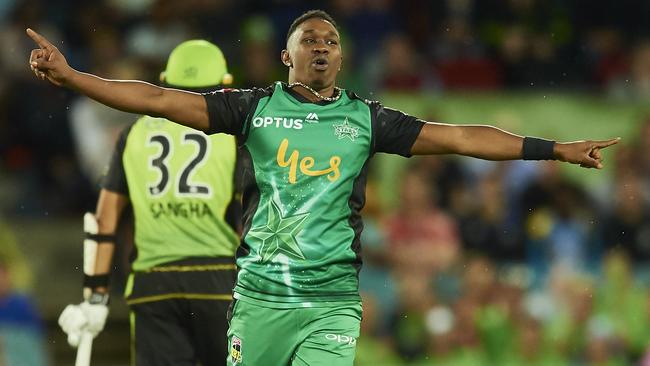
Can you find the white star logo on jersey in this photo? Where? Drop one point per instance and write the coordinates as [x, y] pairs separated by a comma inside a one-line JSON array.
[[346, 130], [311, 118]]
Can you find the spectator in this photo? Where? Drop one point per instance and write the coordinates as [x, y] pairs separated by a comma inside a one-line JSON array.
[[635, 85], [557, 216], [21, 329], [642, 151], [627, 225], [373, 347], [485, 228], [424, 239], [620, 316], [402, 69], [155, 38], [95, 127], [375, 280], [408, 322], [258, 48]]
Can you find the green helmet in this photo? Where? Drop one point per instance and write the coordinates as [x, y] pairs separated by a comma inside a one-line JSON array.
[[196, 64]]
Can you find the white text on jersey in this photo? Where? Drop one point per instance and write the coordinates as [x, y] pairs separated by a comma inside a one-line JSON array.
[[278, 122]]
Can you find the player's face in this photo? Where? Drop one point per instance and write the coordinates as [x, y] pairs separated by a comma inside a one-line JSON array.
[[314, 54]]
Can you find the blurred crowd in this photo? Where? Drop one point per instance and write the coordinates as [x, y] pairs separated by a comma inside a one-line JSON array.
[[480, 264]]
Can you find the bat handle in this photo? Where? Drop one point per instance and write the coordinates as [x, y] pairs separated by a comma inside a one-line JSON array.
[[84, 350]]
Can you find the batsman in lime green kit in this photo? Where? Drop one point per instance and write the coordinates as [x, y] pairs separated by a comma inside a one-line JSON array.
[[180, 183], [305, 147]]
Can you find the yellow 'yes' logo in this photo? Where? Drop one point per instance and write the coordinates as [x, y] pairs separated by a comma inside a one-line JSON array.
[[306, 164]]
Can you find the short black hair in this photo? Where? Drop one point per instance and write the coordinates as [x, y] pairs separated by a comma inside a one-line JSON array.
[[309, 15]]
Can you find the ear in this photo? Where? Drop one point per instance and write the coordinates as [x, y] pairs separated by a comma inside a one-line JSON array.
[[286, 59], [162, 76]]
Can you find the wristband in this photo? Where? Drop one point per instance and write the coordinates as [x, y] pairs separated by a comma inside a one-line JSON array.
[[101, 237], [93, 282], [537, 149]]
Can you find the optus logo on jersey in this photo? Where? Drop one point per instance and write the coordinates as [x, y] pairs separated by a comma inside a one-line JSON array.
[[278, 122], [306, 164]]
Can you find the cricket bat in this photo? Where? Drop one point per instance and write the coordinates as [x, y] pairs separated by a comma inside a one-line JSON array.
[[90, 252]]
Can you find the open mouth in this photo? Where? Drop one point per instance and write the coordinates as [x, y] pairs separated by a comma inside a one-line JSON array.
[[320, 64]]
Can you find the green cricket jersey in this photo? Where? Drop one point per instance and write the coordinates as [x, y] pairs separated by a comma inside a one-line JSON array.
[[180, 183], [304, 172]]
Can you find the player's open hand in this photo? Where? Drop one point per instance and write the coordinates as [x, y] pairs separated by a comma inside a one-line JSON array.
[[47, 62], [586, 153]]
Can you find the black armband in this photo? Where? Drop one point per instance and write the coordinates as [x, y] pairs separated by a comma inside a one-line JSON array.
[[111, 238], [93, 282], [537, 149]]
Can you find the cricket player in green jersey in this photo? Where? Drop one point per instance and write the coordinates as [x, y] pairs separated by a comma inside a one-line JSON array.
[[305, 148], [180, 184]]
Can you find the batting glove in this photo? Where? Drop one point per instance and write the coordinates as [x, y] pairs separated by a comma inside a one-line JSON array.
[[89, 316]]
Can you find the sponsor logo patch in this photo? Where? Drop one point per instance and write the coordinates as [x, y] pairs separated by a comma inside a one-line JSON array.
[[311, 118], [340, 338], [277, 122], [235, 350], [306, 164], [345, 129]]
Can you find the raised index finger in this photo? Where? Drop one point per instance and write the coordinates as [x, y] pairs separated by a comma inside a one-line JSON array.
[[40, 40], [605, 143]]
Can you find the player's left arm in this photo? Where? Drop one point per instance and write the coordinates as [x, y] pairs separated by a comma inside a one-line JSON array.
[[491, 143]]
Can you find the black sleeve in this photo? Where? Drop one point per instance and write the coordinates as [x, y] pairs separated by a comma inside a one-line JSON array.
[[394, 132], [228, 109], [114, 179]]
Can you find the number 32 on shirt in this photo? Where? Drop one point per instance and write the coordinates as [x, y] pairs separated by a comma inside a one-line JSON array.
[[160, 162]]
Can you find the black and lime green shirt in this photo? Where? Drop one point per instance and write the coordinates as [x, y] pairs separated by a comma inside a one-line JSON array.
[[304, 172], [181, 187]]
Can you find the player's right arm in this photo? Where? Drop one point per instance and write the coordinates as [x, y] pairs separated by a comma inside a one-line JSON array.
[[113, 199], [99, 246], [110, 206], [187, 108]]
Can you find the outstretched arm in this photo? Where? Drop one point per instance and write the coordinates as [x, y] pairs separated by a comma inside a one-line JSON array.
[[139, 97], [491, 143]]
